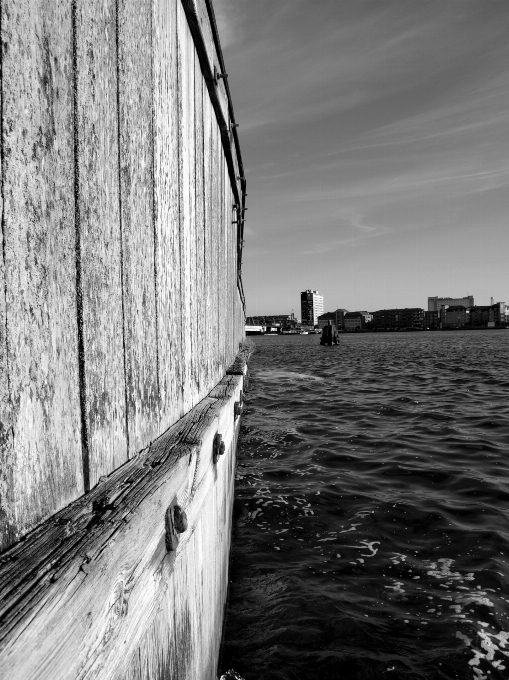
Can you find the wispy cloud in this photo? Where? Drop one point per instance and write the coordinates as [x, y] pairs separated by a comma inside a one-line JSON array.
[[368, 125]]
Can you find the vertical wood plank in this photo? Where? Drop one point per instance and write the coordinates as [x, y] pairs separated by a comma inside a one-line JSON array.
[[201, 292], [138, 246], [185, 169], [227, 227], [231, 301], [39, 393], [216, 236], [222, 260], [100, 235], [166, 188], [208, 245], [190, 275]]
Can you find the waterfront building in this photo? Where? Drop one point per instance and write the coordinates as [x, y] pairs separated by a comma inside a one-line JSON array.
[[488, 316], [454, 316], [435, 303], [393, 319], [336, 318], [431, 319], [284, 321], [311, 307], [357, 320]]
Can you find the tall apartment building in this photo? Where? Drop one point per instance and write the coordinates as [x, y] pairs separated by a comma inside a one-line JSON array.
[[435, 303], [311, 307]]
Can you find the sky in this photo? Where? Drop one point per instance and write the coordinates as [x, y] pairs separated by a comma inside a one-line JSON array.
[[375, 141]]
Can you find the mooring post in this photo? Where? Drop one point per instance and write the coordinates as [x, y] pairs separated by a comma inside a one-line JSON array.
[[329, 335]]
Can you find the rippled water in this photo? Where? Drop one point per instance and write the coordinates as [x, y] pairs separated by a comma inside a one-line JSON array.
[[371, 526]]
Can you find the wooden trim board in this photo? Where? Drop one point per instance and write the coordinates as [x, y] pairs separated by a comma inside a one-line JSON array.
[[80, 594]]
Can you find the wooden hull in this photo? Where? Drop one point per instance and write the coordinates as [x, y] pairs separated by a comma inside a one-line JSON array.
[[107, 588], [121, 311]]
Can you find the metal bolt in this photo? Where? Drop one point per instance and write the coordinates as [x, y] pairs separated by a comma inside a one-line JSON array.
[[180, 519], [218, 448], [175, 522], [238, 407]]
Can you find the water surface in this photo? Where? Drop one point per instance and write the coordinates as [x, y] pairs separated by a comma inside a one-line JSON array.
[[371, 516]]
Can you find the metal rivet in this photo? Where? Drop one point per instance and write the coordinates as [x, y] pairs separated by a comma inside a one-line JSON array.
[[180, 519], [218, 448], [175, 523], [239, 405]]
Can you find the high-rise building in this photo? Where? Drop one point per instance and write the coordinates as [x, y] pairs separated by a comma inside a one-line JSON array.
[[435, 303], [311, 307]]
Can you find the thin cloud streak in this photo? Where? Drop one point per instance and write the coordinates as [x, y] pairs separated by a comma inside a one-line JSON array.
[[369, 128]]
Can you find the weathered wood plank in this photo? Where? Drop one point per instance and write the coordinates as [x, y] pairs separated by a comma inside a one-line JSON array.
[[229, 265], [39, 396], [222, 264], [183, 639], [207, 195], [197, 17], [167, 207], [78, 597], [216, 242], [201, 291], [137, 202], [191, 274], [100, 235], [185, 62]]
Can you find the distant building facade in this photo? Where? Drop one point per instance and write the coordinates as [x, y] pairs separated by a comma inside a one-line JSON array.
[[357, 321], [435, 303], [488, 315], [283, 321], [477, 316], [397, 319], [311, 307], [455, 316], [336, 318], [431, 319]]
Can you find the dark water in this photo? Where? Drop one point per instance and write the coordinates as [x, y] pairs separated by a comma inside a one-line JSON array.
[[371, 521]]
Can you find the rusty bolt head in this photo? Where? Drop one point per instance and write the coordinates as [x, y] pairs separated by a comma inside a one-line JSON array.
[[218, 448], [180, 519], [175, 523]]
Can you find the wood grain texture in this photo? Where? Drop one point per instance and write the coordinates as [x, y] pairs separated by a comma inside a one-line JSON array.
[[199, 24], [137, 202], [40, 446], [190, 276], [106, 598], [216, 242], [100, 235], [167, 210], [208, 320], [185, 79], [222, 262], [200, 309]]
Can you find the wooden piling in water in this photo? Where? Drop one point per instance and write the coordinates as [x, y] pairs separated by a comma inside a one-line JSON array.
[[329, 335]]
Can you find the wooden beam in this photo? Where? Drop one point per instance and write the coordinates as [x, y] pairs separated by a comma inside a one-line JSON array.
[[82, 595]]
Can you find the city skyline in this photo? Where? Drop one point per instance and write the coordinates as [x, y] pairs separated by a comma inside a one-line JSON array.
[[375, 148]]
